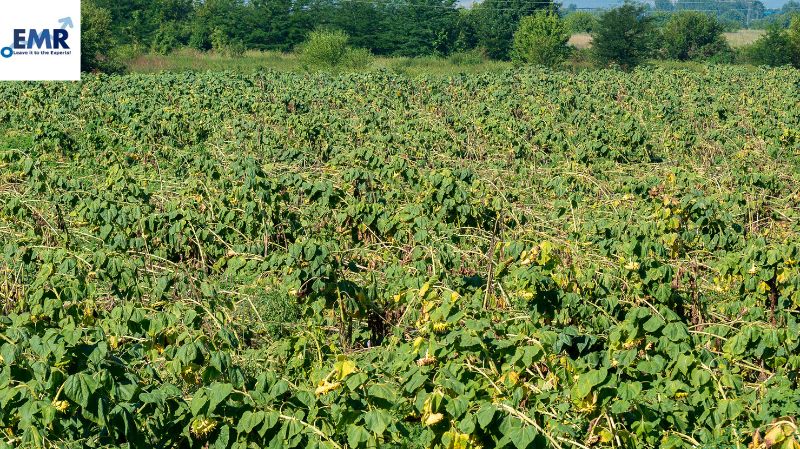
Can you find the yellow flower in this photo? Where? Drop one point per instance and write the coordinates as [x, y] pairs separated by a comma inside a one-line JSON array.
[[440, 328], [525, 295], [61, 406], [424, 289]]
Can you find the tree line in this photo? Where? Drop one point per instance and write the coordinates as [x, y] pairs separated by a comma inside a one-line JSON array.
[[531, 31], [385, 27], [627, 35]]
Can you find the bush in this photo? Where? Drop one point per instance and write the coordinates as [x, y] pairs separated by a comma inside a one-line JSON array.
[[580, 22], [541, 39], [326, 48], [357, 58], [775, 48], [329, 49], [693, 35], [624, 36]]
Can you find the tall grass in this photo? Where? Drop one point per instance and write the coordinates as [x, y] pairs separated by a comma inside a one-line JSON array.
[[193, 60]]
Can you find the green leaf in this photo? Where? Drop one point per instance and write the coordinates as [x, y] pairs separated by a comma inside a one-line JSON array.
[[736, 345], [199, 401], [356, 435], [223, 438], [676, 331], [589, 380], [218, 393], [271, 419], [467, 425], [355, 380], [522, 437], [700, 377], [249, 421], [382, 392], [376, 421], [485, 415], [79, 388], [653, 324]]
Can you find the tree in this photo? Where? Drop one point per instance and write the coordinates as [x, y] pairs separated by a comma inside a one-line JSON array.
[[773, 48], [420, 27], [794, 39], [541, 39], [97, 40], [222, 18], [692, 35], [275, 24], [399, 27], [497, 20], [624, 36], [139, 22]]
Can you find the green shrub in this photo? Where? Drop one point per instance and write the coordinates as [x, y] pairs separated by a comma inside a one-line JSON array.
[[541, 39], [624, 37], [775, 48], [357, 58], [325, 48], [689, 35]]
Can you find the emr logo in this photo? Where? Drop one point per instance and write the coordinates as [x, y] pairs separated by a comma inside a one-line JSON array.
[[50, 39], [38, 39]]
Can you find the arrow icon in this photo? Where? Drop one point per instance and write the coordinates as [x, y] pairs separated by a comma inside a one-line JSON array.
[[66, 22]]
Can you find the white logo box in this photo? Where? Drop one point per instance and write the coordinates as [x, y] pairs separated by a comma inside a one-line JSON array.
[[40, 40]]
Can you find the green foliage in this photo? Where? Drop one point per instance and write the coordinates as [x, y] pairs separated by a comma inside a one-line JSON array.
[[323, 47], [496, 21], [399, 28], [794, 39], [624, 36], [167, 38], [224, 44], [692, 35], [97, 40], [541, 39], [580, 22], [328, 48], [515, 260], [358, 58], [773, 49]]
